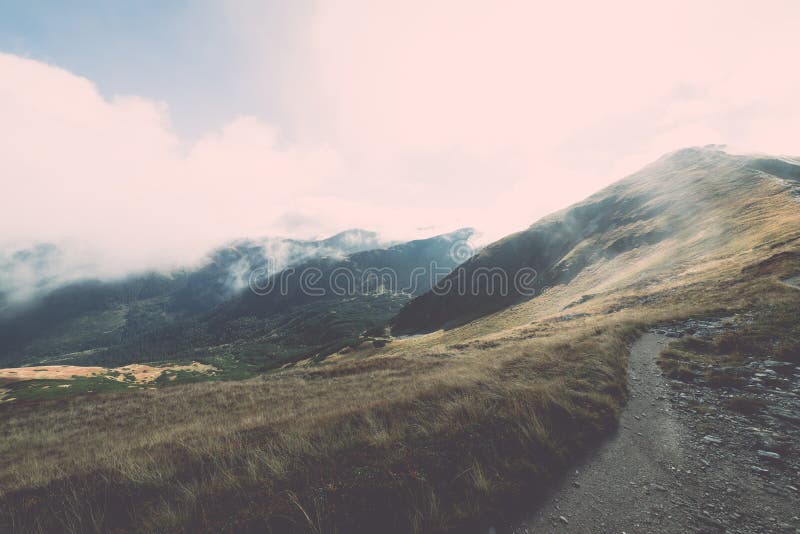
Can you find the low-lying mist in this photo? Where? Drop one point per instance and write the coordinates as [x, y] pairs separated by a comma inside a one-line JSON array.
[[30, 272]]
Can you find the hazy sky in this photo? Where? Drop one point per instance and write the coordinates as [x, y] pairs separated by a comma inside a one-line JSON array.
[[152, 130]]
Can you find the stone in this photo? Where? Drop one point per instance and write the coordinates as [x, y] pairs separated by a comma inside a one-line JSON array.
[[786, 415], [768, 455]]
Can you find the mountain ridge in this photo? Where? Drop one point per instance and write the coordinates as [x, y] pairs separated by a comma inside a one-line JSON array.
[[92, 315], [640, 210], [471, 421]]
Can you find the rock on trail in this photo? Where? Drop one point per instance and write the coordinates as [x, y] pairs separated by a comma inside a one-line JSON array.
[[793, 281], [672, 467], [629, 484]]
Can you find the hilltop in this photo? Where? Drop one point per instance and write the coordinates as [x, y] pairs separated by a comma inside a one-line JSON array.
[[156, 315], [457, 426], [691, 204]]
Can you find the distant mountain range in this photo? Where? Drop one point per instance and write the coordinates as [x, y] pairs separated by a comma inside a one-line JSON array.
[[34, 272], [273, 301], [155, 315], [417, 386]]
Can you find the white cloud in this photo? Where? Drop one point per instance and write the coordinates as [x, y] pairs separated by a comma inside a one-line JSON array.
[[112, 173], [397, 116], [499, 91]]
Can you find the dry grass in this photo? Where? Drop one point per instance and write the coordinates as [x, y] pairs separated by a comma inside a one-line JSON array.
[[342, 432], [48, 372], [331, 438], [140, 373], [421, 435], [424, 434], [746, 405]]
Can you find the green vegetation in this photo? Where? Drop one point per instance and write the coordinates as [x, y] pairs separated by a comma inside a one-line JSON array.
[[186, 315], [429, 432], [770, 333], [225, 368], [422, 434], [31, 390], [745, 405]]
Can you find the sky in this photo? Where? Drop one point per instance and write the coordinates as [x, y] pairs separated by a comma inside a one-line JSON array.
[[144, 133]]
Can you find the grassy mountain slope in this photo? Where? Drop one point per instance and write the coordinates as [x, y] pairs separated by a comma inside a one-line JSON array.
[[91, 319], [305, 315], [430, 431], [689, 204]]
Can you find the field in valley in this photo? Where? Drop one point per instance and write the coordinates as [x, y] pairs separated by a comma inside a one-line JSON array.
[[428, 431], [423, 433]]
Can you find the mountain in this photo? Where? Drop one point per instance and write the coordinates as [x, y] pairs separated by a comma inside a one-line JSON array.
[[499, 395], [313, 308], [51, 305], [160, 315], [408, 268], [227, 269], [688, 204]]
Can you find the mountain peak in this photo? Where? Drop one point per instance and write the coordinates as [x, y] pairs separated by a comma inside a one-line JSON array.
[[687, 203], [351, 237]]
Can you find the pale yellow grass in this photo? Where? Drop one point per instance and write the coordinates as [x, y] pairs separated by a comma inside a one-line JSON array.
[[509, 378], [148, 373], [49, 372], [142, 373]]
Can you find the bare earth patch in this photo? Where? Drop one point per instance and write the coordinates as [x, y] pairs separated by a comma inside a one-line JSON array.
[[148, 373], [49, 372], [142, 373]]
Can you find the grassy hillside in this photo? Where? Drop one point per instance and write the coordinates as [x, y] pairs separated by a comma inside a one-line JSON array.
[[688, 205], [115, 324], [427, 432], [300, 315], [208, 312], [59, 321]]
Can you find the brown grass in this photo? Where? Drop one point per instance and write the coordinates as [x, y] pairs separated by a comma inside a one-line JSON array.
[[380, 428], [408, 439], [746, 405], [141, 373], [48, 372], [425, 434]]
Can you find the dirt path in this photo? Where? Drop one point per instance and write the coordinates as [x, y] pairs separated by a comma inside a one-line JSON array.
[[625, 487], [673, 467]]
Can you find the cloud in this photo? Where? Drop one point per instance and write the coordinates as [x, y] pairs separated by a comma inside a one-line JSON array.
[[113, 175], [393, 116], [468, 101]]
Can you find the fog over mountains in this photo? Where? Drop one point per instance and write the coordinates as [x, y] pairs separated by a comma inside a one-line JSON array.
[[31, 272], [362, 377], [399, 266], [688, 203], [51, 309]]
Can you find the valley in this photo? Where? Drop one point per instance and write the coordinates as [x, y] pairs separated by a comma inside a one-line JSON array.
[[399, 267], [25, 383], [662, 313]]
